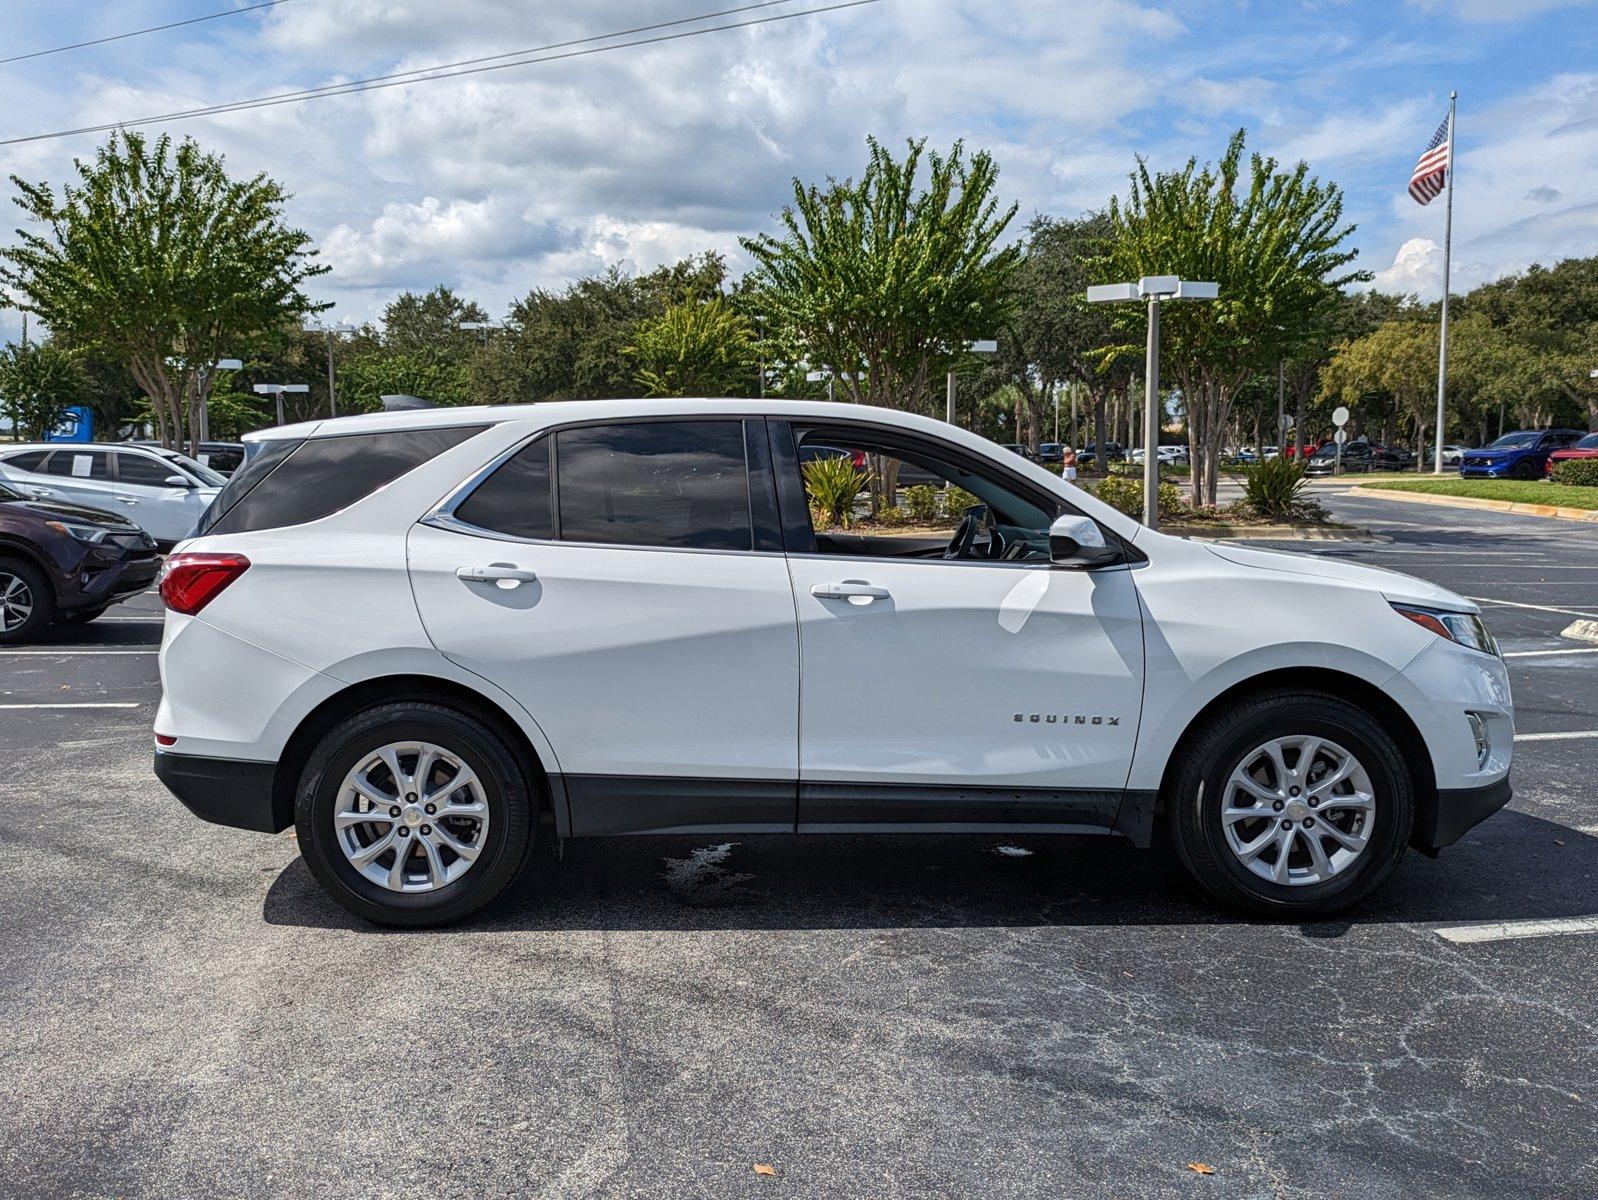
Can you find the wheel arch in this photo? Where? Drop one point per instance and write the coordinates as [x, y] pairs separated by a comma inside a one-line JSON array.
[[1360, 692], [387, 689], [11, 547]]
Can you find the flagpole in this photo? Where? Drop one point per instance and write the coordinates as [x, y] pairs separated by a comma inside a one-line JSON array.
[[1448, 246]]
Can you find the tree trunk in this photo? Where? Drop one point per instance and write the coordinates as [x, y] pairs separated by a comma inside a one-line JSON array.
[[1101, 466]]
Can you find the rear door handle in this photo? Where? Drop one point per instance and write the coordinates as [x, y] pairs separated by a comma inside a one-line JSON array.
[[496, 573], [842, 591]]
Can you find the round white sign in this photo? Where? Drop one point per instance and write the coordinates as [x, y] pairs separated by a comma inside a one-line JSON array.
[[1340, 417], [1341, 435]]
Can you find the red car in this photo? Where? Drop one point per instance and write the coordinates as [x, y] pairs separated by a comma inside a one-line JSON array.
[[1586, 448]]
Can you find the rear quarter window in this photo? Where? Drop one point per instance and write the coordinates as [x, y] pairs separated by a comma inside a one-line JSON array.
[[291, 483]]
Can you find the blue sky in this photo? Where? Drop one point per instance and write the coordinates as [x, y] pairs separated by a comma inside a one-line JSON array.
[[527, 177]]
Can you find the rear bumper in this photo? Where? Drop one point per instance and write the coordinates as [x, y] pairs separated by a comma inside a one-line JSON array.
[[225, 791], [1457, 811]]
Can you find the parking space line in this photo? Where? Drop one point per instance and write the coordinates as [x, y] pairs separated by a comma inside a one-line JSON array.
[[86, 704], [1569, 612], [66, 651], [1546, 653], [1556, 737], [1498, 931]]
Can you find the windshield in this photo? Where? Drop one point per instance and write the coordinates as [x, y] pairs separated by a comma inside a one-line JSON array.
[[1326, 452], [1590, 442], [7, 494], [199, 470], [1526, 437]]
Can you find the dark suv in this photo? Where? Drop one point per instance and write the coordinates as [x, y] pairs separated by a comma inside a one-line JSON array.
[[65, 562]]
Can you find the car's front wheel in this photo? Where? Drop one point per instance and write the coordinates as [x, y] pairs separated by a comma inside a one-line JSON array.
[[1294, 803], [414, 814], [27, 602]]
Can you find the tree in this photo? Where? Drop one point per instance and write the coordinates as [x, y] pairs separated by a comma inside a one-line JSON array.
[[431, 323], [38, 383], [158, 259], [884, 281], [1398, 360], [696, 348], [1552, 313], [1275, 243]]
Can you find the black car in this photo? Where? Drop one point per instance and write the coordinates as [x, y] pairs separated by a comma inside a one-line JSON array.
[[222, 457], [1113, 452], [1051, 452], [65, 562], [1358, 458]]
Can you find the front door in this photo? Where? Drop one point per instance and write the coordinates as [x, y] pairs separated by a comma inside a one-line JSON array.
[[166, 511], [985, 687], [624, 585]]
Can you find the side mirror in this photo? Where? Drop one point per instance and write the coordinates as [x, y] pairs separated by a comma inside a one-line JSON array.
[[1079, 542], [182, 481]]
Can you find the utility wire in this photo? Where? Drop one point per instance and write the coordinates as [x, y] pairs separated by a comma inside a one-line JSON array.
[[117, 37], [464, 67]]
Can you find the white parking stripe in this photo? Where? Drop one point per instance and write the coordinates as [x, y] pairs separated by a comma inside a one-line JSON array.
[[66, 651], [1556, 737], [1569, 612], [1546, 653], [1498, 931], [106, 704]]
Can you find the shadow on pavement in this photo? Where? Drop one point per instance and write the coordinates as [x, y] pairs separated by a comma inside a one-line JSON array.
[[1513, 867]]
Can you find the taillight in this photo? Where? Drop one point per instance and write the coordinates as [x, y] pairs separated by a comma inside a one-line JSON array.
[[191, 581]]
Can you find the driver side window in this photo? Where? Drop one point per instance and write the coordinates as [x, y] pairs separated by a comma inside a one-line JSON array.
[[898, 498]]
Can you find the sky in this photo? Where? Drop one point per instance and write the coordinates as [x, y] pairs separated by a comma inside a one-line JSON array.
[[528, 177]]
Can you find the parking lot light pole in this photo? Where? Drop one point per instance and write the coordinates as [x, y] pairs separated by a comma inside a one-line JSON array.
[[221, 364], [331, 330], [277, 390], [485, 326], [1152, 289], [984, 346]]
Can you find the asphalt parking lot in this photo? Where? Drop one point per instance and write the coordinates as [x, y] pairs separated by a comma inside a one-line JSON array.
[[187, 1015]]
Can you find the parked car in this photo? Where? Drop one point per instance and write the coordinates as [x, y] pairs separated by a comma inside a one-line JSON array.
[[1051, 453], [1017, 448], [1452, 454], [1587, 447], [1519, 455], [462, 626], [222, 457], [163, 492], [1358, 458], [65, 562], [1165, 454], [1113, 452]]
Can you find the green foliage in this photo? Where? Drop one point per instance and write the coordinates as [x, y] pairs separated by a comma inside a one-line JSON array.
[[693, 348], [884, 280], [429, 374], [158, 259], [431, 324], [1272, 488], [921, 502], [38, 382], [1577, 472], [956, 500], [1126, 494], [832, 485]]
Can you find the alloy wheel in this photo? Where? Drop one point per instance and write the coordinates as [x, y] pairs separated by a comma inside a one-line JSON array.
[[16, 602], [1298, 810], [411, 817]]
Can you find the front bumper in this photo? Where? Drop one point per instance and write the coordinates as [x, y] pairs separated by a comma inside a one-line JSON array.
[[226, 791], [1483, 470], [1457, 811]]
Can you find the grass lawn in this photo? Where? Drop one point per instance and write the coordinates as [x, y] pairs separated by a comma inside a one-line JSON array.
[[1519, 491]]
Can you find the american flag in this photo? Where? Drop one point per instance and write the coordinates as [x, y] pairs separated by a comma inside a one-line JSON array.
[[1431, 172]]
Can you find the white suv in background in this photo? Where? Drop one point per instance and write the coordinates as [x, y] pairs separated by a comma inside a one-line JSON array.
[[163, 492], [422, 636]]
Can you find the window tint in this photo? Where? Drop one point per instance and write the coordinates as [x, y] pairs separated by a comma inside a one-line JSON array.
[[319, 476], [514, 500], [27, 461], [655, 483], [143, 470], [78, 464]]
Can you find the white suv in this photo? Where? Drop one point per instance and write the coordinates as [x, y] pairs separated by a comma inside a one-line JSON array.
[[161, 491], [422, 636]]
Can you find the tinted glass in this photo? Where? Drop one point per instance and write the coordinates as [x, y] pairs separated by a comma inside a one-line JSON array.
[[1590, 442], [319, 476], [28, 461], [7, 494], [144, 470], [78, 464], [1526, 437], [261, 464], [656, 483], [197, 469], [514, 500]]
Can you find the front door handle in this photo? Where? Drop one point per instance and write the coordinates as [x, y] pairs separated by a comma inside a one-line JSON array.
[[504, 574], [128, 499], [842, 591]]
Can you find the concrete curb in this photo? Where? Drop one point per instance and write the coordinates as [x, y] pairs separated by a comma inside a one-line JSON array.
[[1273, 533], [1556, 511]]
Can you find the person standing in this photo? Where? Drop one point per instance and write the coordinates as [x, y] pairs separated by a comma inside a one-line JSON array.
[[1068, 464]]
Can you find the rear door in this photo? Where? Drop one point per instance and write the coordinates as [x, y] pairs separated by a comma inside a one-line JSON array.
[[624, 581], [82, 476]]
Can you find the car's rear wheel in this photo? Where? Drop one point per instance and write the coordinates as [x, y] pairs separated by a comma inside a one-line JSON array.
[[1526, 469], [27, 603], [414, 814], [1293, 803]]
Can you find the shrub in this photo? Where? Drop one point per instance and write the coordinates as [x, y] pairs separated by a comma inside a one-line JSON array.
[[956, 500], [1126, 494], [1271, 488], [1577, 472], [832, 485], [921, 502]]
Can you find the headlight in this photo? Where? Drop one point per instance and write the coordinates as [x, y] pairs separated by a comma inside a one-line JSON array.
[[92, 534], [1465, 628]]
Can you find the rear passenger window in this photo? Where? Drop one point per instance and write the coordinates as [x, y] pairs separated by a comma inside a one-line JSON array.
[[682, 484], [316, 477], [76, 464], [28, 461], [515, 499]]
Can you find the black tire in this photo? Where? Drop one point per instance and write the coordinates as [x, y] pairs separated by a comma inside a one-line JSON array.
[[508, 789], [41, 599], [1526, 469], [1197, 791], [83, 618]]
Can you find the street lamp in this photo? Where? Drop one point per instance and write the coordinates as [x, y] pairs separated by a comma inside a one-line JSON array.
[[1153, 289], [985, 346], [330, 330], [277, 390], [485, 326], [817, 377], [221, 364]]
